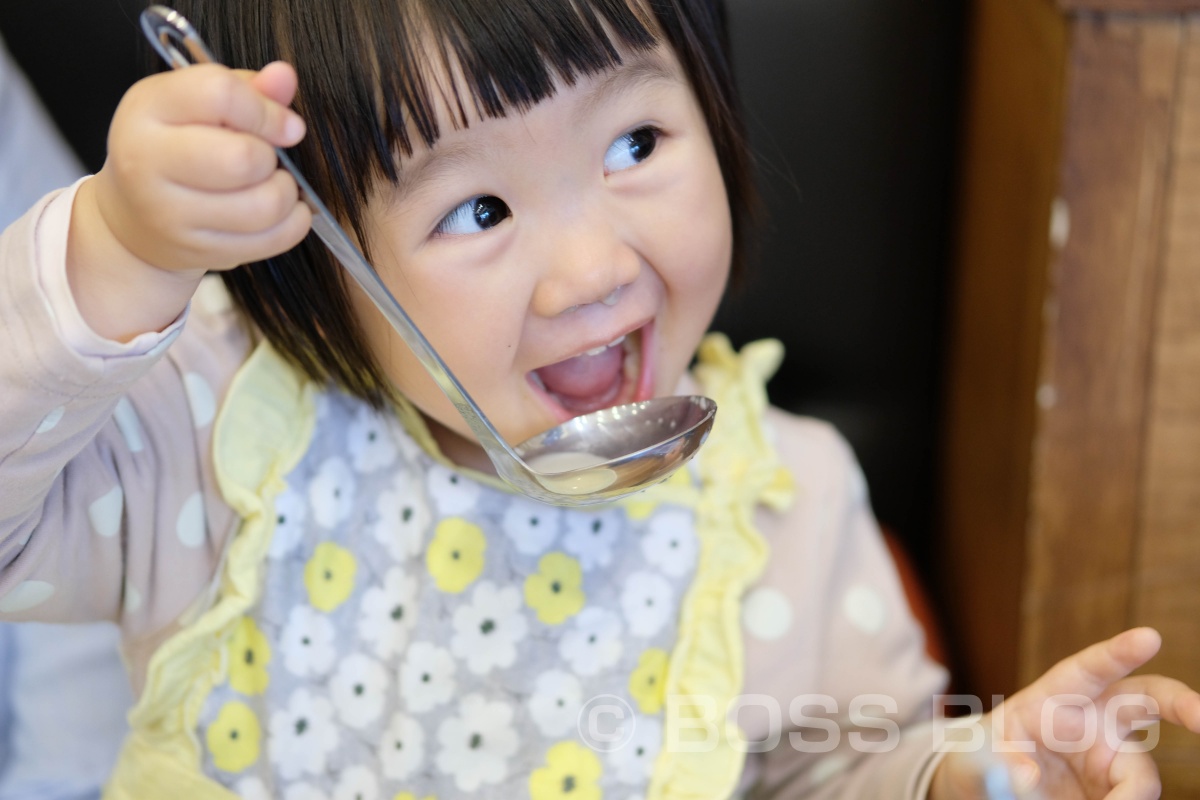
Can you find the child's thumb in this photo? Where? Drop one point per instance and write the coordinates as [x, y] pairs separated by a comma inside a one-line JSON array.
[[278, 82]]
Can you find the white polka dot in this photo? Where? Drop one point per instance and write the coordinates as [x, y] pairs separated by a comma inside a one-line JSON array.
[[133, 598], [51, 419], [105, 513], [200, 399], [865, 609], [190, 526], [767, 613], [128, 424], [26, 595]]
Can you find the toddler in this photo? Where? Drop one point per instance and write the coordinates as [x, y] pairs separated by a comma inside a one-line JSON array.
[[323, 590]]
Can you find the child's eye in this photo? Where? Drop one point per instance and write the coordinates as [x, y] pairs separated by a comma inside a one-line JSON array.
[[631, 149], [477, 214]]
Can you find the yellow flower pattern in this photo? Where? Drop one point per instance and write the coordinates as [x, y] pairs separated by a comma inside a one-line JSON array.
[[455, 556], [233, 737], [648, 681], [329, 576], [555, 591], [249, 653], [571, 773], [456, 551]]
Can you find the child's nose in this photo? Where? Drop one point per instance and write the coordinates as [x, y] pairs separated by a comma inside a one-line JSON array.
[[586, 262]]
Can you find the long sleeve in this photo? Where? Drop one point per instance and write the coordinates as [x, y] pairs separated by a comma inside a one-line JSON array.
[[836, 666], [108, 505]]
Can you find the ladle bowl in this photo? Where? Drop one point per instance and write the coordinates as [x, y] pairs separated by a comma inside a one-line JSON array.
[[595, 458]]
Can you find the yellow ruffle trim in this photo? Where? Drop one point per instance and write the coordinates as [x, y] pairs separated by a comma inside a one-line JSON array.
[[262, 432], [702, 755]]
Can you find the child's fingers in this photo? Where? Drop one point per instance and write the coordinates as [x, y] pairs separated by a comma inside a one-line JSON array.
[[1133, 777], [209, 94], [219, 160], [259, 208], [277, 81], [1091, 671], [1144, 698], [229, 249]]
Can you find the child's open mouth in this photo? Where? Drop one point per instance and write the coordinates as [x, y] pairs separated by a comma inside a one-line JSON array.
[[605, 376]]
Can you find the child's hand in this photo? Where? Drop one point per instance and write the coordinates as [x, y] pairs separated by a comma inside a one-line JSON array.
[[1104, 769], [191, 184]]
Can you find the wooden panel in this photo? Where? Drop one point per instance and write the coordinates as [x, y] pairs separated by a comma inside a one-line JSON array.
[[1167, 577], [1011, 141], [1131, 6], [1088, 451]]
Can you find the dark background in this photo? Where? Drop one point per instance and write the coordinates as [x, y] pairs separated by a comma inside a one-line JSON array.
[[853, 108]]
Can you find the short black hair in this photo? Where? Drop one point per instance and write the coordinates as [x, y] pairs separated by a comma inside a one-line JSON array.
[[366, 90]]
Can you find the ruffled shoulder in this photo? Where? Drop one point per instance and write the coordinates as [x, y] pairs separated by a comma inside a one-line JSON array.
[[264, 428], [738, 469]]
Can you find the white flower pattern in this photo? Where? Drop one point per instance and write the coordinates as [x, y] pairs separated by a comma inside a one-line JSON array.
[[555, 703], [372, 698], [359, 688], [331, 492], [302, 735], [593, 643], [388, 612], [648, 602], [591, 536], [356, 783], [476, 744], [489, 628], [531, 526], [307, 643], [427, 677], [251, 788], [453, 495], [633, 762], [403, 518], [303, 791], [402, 747], [291, 514], [370, 440], [670, 543]]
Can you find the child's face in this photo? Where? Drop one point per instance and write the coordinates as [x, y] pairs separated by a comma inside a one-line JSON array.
[[522, 246]]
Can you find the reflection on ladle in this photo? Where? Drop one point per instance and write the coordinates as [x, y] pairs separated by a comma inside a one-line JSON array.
[[626, 448]]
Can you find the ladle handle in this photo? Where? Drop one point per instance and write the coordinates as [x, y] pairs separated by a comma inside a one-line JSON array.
[[167, 30]]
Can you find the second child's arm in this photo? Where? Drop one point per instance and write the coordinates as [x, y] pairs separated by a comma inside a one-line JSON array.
[[191, 184]]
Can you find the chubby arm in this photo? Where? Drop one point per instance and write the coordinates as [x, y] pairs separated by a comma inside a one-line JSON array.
[[105, 488], [831, 643], [100, 457], [191, 185]]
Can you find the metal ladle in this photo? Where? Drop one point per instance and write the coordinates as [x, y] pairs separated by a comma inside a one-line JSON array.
[[594, 458]]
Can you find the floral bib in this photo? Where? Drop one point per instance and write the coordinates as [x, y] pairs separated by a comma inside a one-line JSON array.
[[385, 626], [420, 631]]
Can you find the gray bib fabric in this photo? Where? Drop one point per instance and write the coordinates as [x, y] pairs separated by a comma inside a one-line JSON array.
[[421, 633]]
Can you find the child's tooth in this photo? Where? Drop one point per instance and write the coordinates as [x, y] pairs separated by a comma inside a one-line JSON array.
[[595, 351]]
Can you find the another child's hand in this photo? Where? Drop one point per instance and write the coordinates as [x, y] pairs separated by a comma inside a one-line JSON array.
[[1097, 677], [191, 184]]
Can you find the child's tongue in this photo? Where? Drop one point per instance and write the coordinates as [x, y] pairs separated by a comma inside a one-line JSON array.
[[577, 380]]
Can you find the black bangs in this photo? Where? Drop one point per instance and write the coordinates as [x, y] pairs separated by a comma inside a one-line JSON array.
[[509, 53], [374, 74], [376, 79]]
